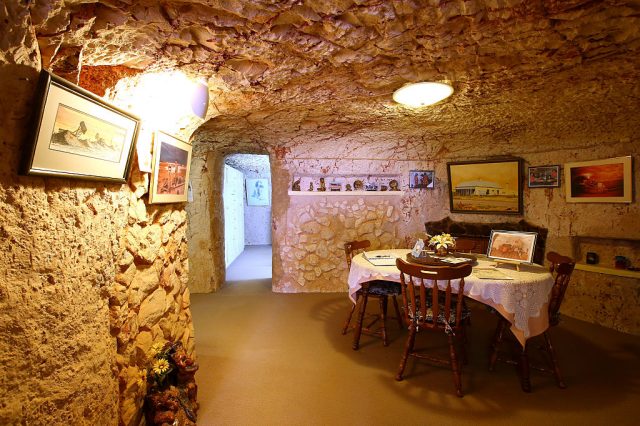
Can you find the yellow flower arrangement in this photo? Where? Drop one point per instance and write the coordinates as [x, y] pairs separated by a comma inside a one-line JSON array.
[[442, 241]]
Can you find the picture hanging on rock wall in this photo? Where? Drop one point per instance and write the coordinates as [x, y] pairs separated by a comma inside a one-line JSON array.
[[599, 181], [78, 135], [171, 167], [257, 192], [486, 186]]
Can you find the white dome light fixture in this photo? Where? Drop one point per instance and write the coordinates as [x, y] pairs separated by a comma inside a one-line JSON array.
[[421, 94]]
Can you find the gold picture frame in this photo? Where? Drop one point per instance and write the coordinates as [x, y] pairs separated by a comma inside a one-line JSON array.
[[491, 186], [171, 169], [600, 181]]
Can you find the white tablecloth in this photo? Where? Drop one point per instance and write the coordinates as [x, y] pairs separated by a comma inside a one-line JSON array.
[[523, 300]]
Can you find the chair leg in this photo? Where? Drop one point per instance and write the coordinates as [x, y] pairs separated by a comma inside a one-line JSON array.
[[383, 318], [348, 321], [398, 316], [495, 344], [363, 308], [408, 348], [523, 364], [455, 366], [554, 361]]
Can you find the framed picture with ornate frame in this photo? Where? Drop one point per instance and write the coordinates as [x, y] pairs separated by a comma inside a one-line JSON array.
[[171, 169], [76, 134], [544, 177], [490, 186], [600, 181]]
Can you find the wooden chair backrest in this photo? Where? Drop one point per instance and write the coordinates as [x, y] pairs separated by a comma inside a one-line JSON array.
[[562, 268], [420, 283], [352, 248]]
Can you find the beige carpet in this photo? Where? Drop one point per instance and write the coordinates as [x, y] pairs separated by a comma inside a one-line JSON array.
[[279, 359]]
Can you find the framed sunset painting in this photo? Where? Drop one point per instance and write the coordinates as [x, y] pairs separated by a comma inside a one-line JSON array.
[[600, 181]]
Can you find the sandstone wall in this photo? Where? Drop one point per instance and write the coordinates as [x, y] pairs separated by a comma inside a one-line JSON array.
[[90, 275]]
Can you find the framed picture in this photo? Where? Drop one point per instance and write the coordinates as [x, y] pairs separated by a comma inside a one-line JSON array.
[[421, 179], [599, 181], [512, 245], [544, 177], [78, 135], [486, 186], [171, 167], [257, 192]]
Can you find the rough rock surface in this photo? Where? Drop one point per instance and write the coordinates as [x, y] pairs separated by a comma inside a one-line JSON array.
[[90, 275], [309, 83]]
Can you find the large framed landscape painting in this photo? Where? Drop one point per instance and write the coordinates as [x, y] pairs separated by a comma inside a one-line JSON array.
[[486, 186], [78, 135], [600, 181], [171, 168]]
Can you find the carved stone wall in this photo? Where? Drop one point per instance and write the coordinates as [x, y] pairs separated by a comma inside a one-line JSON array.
[[90, 274]]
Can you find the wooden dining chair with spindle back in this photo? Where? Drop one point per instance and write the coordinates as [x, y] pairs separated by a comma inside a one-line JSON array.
[[561, 267], [432, 302], [377, 289]]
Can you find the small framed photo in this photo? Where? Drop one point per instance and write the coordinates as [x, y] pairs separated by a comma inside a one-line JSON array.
[[421, 179], [490, 186], [512, 246], [599, 181], [171, 167], [544, 177], [258, 192], [78, 135]]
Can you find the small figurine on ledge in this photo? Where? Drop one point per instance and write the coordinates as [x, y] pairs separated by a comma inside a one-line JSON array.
[[348, 187], [296, 185], [310, 186], [322, 186]]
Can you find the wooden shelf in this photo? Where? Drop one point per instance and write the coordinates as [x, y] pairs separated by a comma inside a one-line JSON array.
[[345, 193], [608, 271]]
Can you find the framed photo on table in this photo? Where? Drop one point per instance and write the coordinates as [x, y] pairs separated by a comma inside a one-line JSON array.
[[486, 186], [171, 169], [599, 181], [544, 177], [514, 246], [79, 135]]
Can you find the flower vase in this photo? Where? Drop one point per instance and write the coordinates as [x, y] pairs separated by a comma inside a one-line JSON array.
[[442, 251]]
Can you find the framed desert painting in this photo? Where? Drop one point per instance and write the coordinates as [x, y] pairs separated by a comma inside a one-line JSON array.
[[171, 167], [78, 135], [512, 245], [544, 177], [486, 186], [600, 181]]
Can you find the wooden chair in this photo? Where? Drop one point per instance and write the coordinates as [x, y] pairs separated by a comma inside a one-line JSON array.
[[377, 289], [561, 267], [430, 303]]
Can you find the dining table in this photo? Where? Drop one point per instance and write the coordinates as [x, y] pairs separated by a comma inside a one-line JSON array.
[[520, 294]]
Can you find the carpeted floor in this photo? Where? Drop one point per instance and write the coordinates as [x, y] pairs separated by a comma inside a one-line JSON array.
[[280, 359]]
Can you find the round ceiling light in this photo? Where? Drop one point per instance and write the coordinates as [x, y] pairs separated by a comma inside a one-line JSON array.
[[421, 94]]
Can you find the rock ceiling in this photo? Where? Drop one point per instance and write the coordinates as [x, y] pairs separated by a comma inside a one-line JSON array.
[[287, 73]]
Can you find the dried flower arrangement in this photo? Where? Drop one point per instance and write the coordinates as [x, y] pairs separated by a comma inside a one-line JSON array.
[[171, 388]]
